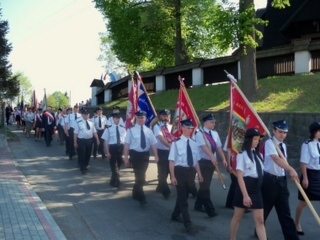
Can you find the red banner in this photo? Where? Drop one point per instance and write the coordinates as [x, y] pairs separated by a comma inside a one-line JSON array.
[[242, 117], [132, 104], [184, 110]]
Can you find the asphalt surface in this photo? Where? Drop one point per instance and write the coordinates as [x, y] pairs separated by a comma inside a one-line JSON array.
[[86, 207]]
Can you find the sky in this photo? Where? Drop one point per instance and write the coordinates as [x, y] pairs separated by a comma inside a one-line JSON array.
[[56, 44]]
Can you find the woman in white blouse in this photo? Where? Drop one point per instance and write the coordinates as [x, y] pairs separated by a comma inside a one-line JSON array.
[[29, 118], [248, 190], [310, 171]]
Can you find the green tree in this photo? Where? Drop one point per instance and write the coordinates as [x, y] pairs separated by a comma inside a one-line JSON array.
[[9, 84], [57, 100], [159, 32], [25, 85]]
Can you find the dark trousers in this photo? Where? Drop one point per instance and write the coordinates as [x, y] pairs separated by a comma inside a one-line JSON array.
[[140, 162], [62, 135], [230, 196], [48, 134], [203, 195], [84, 152], [275, 193], [163, 172], [101, 146], [115, 163], [72, 151], [185, 179]]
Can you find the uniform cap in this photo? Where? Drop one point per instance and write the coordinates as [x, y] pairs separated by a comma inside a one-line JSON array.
[[314, 127], [165, 112], [209, 117], [281, 125], [115, 107], [251, 132], [39, 109], [99, 108], [115, 115], [141, 113], [187, 123], [84, 111]]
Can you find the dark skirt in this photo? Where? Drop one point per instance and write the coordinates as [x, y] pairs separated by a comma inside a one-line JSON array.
[[18, 118], [254, 191], [313, 190], [39, 124]]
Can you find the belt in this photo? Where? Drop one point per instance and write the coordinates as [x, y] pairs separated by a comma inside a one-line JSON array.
[[274, 176], [182, 167]]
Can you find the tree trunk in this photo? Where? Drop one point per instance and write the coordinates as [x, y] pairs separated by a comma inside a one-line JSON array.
[[248, 68], [180, 53]]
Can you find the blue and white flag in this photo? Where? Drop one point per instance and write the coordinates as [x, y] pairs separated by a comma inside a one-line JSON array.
[[144, 103]]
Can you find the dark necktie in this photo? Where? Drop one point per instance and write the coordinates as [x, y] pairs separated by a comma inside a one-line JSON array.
[[282, 149], [210, 134], [118, 135], [143, 139], [75, 116], [318, 150], [88, 126], [99, 122], [258, 166], [189, 155]]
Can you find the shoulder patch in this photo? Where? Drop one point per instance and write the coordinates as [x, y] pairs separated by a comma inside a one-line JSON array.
[[121, 126], [78, 121], [176, 139]]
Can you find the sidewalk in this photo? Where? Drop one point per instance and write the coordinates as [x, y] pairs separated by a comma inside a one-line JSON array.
[[22, 213]]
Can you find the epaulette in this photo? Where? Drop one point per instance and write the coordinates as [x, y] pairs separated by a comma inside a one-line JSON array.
[[241, 151], [79, 120], [307, 142], [192, 139], [95, 116], [176, 139], [120, 126], [107, 126]]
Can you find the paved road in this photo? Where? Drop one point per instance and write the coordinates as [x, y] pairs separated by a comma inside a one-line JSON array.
[[86, 207]]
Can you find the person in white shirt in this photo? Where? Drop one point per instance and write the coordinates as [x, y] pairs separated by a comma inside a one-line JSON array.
[[275, 192], [84, 132], [139, 139], [113, 137], [248, 190], [310, 171]]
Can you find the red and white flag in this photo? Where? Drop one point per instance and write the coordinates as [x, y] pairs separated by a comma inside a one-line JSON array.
[[184, 110], [242, 117], [34, 101], [132, 104]]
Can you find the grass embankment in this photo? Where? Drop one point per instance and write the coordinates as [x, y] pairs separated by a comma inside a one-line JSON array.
[[297, 93]]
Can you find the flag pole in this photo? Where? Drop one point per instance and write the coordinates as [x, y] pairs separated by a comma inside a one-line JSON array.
[[305, 197]]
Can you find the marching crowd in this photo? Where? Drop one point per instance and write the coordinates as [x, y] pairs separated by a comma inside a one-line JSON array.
[[259, 178]]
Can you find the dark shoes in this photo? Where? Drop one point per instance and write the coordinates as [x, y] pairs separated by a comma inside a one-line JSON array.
[[212, 214], [143, 202], [177, 219], [199, 209], [300, 233], [188, 227]]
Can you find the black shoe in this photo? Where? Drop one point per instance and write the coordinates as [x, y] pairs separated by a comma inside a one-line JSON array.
[[135, 198], [83, 171], [143, 202], [301, 233], [94, 156], [188, 227], [199, 209], [212, 214], [177, 219], [166, 195]]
